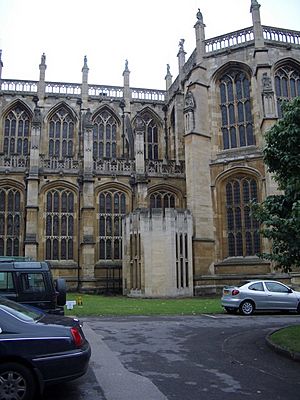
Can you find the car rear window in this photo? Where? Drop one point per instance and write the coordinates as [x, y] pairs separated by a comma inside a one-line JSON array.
[[257, 286], [24, 313]]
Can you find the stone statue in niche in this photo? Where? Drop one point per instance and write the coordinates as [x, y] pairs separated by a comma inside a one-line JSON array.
[[87, 121], [189, 102], [37, 116], [266, 82]]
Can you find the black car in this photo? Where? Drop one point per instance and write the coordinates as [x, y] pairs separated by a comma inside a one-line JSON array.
[[30, 282], [38, 349]]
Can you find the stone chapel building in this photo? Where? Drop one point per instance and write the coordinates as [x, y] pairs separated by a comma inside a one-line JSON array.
[[147, 192]]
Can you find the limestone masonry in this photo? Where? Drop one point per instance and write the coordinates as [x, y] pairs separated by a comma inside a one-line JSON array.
[[147, 192]]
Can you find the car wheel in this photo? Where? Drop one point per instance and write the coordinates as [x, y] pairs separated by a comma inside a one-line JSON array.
[[247, 307], [16, 382], [231, 310], [298, 308]]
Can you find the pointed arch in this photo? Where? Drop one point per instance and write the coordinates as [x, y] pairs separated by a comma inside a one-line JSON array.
[[106, 133], [229, 66], [109, 110], [11, 218], [147, 113], [237, 229], [112, 205], [287, 81], [61, 121], [164, 196], [16, 128], [62, 104], [152, 134], [234, 85], [60, 210]]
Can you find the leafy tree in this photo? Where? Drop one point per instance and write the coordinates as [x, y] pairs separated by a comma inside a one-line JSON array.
[[280, 214]]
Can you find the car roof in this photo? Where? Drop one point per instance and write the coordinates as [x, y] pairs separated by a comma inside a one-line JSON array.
[[11, 265]]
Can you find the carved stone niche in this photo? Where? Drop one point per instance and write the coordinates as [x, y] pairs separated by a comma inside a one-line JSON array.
[[189, 108]]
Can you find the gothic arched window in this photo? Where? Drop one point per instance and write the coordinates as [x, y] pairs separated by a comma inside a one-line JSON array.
[[61, 134], [16, 132], [60, 225], [242, 228], [151, 136], [162, 199], [10, 222], [105, 135], [112, 207], [287, 85], [237, 121]]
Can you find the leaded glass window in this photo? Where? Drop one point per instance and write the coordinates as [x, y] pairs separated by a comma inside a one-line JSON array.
[[60, 225], [162, 199], [237, 121], [287, 85], [61, 134], [105, 135], [112, 208], [242, 228], [10, 222], [16, 132], [150, 137]]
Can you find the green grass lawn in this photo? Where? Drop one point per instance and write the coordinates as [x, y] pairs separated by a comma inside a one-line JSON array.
[[96, 305], [288, 338], [93, 305]]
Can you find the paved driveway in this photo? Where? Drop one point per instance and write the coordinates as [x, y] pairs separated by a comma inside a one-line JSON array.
[[186, 358]]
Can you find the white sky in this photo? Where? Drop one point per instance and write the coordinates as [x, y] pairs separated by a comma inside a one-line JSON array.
[[146, 33]]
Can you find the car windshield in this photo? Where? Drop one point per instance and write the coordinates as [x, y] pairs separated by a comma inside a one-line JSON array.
[[25, 313]]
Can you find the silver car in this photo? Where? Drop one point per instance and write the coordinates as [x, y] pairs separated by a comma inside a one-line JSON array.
[[260, 295]]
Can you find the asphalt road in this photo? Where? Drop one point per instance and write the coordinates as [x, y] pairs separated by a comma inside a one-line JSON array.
[[184, 358]]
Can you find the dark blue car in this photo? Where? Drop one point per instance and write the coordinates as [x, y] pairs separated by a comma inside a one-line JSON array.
[[38, 349]]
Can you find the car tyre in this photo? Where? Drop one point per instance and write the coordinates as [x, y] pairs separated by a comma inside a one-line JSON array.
[[247, 307], [298, 308], [231, 310], [16, 382]]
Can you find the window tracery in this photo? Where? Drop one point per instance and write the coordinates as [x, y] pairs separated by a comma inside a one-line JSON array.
[[16, 132], [112, 208], [151, 136], [60, 225], [10, 222], [242, 229], [105, 135], [236, 114], [162, 199], [61, 134], [287, 85]]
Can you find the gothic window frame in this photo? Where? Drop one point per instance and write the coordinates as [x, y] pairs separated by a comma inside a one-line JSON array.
[[287, 84], [112, 207], [242, 231], [106, 128], [16, 131], [162, 199], [61, 133], [11, 221], [151, 136], [237, 125], [60, 229]]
